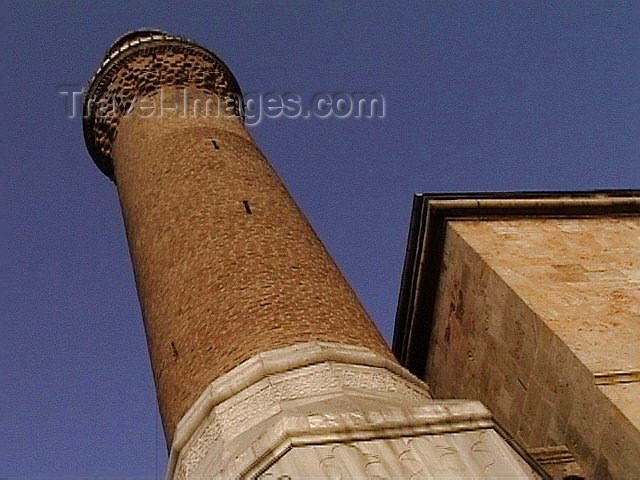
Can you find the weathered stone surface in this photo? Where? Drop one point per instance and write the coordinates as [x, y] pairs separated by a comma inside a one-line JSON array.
[[558, 461], [540, 320], [322, 410], [475, 454]]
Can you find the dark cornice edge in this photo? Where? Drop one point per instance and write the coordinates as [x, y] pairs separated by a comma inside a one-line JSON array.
[[430, 213]]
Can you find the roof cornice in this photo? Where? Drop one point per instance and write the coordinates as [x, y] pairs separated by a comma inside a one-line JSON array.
[[423, 260]]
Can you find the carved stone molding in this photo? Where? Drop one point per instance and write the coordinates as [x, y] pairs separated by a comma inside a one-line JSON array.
[[616, 377], [257, 389], [557, 460], [471, 454], [298, 400]]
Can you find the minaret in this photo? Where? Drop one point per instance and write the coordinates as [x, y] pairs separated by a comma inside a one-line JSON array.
[[264, 360]]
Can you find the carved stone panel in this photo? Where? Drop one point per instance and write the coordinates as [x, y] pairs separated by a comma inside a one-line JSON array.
[[473, 454]]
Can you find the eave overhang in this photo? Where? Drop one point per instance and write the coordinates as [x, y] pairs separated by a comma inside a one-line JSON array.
[[423, 259]]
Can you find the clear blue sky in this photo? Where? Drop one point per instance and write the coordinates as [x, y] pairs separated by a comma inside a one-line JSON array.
[[481, 95]]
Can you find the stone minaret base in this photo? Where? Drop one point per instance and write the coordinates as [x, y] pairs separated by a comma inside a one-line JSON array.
[[265, 362], [328, 410]]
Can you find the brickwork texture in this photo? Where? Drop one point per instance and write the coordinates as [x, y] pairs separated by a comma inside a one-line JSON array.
[[225, 263]]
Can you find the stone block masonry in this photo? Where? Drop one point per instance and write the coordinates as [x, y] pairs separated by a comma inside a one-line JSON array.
[[538, 318]]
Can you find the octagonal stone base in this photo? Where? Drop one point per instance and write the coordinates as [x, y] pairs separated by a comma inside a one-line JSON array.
[[324, 410]]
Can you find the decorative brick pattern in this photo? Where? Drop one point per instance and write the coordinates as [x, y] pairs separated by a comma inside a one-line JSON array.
[[138, 65], [226, 265]]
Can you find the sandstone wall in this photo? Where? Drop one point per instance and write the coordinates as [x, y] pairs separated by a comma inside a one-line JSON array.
[[540, 320]]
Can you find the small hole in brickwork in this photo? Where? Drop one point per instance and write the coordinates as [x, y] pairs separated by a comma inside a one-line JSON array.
[[247, 208], [215, 144]]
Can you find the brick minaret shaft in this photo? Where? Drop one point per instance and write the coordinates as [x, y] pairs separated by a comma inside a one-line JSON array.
[[265, 363], [225, 263]]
